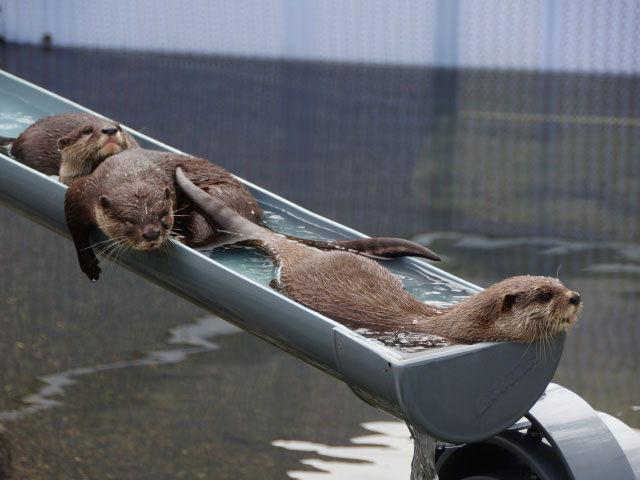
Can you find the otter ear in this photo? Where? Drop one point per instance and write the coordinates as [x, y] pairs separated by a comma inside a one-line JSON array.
[[64, 141], [104, 202], [167, 193], [507, 302]]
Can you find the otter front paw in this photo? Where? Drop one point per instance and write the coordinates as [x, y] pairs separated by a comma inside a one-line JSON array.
[[89, 265], [92, 271]]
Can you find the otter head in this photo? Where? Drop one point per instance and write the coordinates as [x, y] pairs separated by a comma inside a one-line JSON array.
[[528, 308], [519, 309], [86, 147], [136, 216]]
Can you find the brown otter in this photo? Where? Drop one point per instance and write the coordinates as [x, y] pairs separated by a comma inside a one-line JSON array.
[[95, 137], [131, 197], [358, 292]]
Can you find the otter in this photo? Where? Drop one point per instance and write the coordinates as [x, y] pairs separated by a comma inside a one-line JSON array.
[[94, 138], [131, 197], [357, 292]]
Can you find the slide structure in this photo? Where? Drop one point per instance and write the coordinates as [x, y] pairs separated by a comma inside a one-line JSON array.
[[488, 397]]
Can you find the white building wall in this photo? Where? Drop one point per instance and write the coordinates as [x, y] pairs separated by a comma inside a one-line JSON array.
[[568, 35]]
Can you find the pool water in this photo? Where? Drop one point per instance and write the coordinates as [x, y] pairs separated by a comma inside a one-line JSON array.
[[16, 115]]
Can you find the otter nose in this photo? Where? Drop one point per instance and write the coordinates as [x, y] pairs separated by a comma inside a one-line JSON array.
[[150, 234], [110, 131], [574, 298]]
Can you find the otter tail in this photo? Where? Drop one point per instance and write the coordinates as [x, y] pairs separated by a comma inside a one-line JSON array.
[[233, 228], [380, 247]]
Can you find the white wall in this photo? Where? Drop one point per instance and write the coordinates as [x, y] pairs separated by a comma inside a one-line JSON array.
[[583, 35]]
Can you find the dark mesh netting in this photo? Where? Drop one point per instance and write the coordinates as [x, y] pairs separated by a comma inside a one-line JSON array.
[[506, 137]]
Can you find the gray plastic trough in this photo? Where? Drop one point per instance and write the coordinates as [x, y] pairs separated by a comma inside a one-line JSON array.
[[456, 394]]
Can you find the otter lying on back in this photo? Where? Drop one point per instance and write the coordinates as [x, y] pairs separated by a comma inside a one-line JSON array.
[[131, 197], [358, 292], [94, 139]]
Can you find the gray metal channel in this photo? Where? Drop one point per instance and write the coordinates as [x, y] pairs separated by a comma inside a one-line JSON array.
[[457, 394], [590, 446]]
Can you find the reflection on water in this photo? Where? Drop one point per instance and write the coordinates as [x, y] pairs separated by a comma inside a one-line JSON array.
[[12, 123], [384, 455], [246, 261], [16, 115], [197, 335]]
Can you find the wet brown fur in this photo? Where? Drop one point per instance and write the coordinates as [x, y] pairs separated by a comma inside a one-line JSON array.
[[37, 146], [138, 185], [83, 149], [358, 292]]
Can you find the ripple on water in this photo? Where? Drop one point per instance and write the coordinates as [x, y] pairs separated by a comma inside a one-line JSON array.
[[11, 121], [194, 338], [246, 261], [382, 455], [16, 114], [405, 341]]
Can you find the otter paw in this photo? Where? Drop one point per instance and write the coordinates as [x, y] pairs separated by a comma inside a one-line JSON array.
[[92, 271]]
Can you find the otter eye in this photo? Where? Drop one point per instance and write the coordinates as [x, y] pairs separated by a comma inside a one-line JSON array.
[[164, 213], [545, 297], [87, 130]]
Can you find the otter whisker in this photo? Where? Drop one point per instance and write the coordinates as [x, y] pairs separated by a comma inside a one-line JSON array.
[[539, 349], [181, 208], [95, 245], [524, 354], [545, 344], [116, 253], [108, 250], [120, 251], [176, 235], [163, 249], [167, 247], [104, 246]]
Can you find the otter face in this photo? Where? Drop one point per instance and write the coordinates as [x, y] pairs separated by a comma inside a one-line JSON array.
[[86, 147], [526, 309], [141, 220], [99, 140]]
